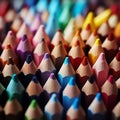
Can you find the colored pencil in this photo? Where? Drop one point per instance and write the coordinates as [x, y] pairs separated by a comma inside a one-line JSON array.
[[76, 54], [53, 109], [116, 112], [24, 48], [40, 51], [70, 93], [36, 88], [66, 72], [46, 67], [95, 51], [29, 69], [13, 109], [40, 34], [3, 95], [15, 88], [97, 109], [58, 36], [83, 72], [24, 29], [101, 69], [109, 93], [52, 86], [85, 33], [8, 52], [33, 111], [89, 90], [10, 39], [9, 69], [110, 47], [114, 69], [76, 112], [103, 31], [58, 55]]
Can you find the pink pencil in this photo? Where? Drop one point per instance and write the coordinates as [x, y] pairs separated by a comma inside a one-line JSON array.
[[40, 51], [101, 70], [40, 34]]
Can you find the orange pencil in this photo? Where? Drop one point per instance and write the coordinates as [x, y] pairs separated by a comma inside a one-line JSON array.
[[85, 33], [8, 52]]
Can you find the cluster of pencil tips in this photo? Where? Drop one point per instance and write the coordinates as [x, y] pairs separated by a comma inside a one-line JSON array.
[[59, 60]]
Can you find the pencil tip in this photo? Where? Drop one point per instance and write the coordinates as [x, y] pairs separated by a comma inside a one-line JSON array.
[[59, 30], [14, 77], [97, 42], [72, 81], [111, 79], [10, 61], [88, 27], [10, 32], [84, 61], [29, 59], [118, 56], [24, 37], [8, 46], [76, 103], [34, 78], [111, 36], [98, 96], [52, 76], [46, 56], [33, 103], [54, 98], [67, 60], [91, 79]]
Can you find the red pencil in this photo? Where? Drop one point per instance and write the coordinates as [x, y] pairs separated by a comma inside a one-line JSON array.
[[110, 47], [109, 93], [84, 71]]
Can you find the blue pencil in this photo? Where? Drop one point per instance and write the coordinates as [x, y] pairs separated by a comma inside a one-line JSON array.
[[53, 109], [70, 93]]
